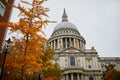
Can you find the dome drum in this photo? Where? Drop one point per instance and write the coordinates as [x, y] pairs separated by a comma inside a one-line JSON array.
[[61, 32], [66, 42]]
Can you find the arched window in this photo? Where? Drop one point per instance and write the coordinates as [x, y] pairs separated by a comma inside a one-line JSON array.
[[89, 66], [72, 61], [90, 78]]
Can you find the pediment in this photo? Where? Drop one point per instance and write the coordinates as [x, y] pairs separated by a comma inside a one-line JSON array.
[[72, 50]]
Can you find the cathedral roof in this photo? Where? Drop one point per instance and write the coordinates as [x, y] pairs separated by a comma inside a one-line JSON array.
[[65, 24]]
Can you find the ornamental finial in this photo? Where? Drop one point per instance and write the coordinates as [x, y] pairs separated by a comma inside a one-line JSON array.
[[64, 17]]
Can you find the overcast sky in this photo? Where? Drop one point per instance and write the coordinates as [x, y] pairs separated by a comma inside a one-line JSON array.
[[98, 21]]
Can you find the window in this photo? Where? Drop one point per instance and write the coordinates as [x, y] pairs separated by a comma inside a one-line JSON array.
[[90, 78], [72, 61], [2, 9], [89, 66]]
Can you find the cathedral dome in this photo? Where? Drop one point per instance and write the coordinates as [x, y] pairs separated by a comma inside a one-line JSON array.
[[65, 24], [66, 35]]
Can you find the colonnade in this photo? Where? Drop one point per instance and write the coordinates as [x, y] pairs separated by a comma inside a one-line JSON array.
[[66, 43], [73, 76]]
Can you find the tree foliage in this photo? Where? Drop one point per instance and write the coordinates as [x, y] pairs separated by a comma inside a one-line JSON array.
[[109, 67], [51, 71], [112, 74], [47, 58], [26, 60]]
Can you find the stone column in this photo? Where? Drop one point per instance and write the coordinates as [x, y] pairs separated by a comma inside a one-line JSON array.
[[54, 44], [61, 45], [70, 42], [65, 42], [82, 77], [71, 76], [78, 76], [58, 45], [79, 43], [66, 77], [74, 43]]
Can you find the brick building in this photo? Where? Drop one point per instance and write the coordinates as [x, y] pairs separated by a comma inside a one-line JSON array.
[[5, 12]]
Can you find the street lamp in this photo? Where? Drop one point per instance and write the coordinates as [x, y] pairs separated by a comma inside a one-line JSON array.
[[6, 50], [39, 77]]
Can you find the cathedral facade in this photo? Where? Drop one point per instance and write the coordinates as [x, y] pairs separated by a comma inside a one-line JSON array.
[[77, 62]]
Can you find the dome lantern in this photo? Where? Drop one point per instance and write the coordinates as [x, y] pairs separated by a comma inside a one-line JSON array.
[[64, 17]]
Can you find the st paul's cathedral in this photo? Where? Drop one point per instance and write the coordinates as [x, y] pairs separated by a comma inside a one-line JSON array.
[[77, 62]]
